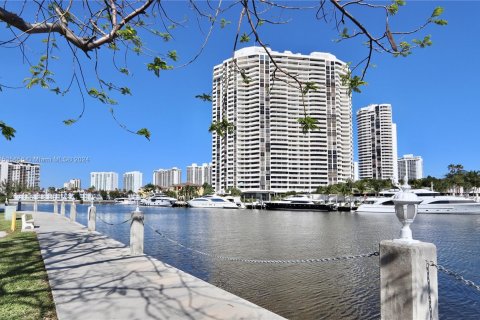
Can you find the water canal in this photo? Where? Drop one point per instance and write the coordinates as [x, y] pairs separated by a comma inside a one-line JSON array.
[[330, 290]]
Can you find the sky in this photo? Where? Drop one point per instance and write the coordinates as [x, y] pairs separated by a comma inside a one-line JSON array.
[[433, 93]]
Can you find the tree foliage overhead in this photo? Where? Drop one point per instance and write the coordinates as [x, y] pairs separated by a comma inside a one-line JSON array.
[[72, 30]]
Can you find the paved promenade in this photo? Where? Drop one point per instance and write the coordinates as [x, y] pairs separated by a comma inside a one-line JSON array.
[[93, 277]]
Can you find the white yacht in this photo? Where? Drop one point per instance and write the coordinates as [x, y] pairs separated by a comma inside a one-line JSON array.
[[212, 202], [377, 205], [298, 202], [449, 204], [432, 202], [125, 201], [158, 200], [236, 200]]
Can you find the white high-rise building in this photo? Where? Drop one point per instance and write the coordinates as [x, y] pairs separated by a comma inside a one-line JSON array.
[[166, 178], [410, 166], [355, 171], [268, 150], [377, 143], [73, 184], [107, 181], [132, 181], [199, 174], [21, 173]]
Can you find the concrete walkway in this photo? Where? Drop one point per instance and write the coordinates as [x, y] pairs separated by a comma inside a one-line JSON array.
[[94, 278]]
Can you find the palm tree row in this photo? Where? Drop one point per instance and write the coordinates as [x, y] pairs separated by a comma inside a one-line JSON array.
[[457, 180], [360, 187]]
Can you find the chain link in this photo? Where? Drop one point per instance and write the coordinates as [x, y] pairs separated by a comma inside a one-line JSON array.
[[236, 259], [456, 275], [113, 224], [429, 291]]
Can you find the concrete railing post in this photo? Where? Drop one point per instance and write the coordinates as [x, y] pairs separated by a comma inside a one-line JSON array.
[[92, 217], [62, 208], [408, 291], [73, 211], [136, 233], [35, 206], [55, 206], [408, 285]]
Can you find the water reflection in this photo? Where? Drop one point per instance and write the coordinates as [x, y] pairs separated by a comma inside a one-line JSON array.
[[334, 290]]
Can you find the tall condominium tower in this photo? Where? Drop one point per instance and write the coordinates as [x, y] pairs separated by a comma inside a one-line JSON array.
[[199, 174], [166, 178], [20, 173], [377, 143], [132, 181], [73, 184], [107, 181], [268, 150], [410, 166]]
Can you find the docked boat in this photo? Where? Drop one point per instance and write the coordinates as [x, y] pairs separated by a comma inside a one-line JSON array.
[[299, 202], [347, 206], [158, 200], [236, 200], [377, 205], [432, 202], [212, 202], [449, 204], [125, 201]]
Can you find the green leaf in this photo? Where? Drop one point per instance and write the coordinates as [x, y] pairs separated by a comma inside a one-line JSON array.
[[125, 91], [426, 42], [440, 22], [56, 90], [113, 46], [128, 33], [101, 96], [392, 9], [144, 132], [204, 97], [7, 131], [173, 55], [69, 122], [308, 124], [124, 71], [157, 65], [224, 23], [244, 38], [437, 12], [165, 35]]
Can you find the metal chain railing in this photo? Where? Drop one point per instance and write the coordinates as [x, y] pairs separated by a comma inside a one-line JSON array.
[[455, 275], [112, 224], [429, 291], [237, 259]]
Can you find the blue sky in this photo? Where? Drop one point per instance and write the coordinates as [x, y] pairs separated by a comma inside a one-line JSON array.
[[433, 93]]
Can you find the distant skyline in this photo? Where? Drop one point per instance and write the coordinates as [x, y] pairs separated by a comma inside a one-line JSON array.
[[433, 94]]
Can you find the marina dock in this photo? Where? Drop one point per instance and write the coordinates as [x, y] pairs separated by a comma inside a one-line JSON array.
[[94, 277]]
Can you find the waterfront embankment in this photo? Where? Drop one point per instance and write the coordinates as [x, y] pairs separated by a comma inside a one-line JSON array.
[[94, 277]]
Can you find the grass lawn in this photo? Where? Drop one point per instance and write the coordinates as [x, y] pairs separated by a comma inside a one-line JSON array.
[[24, 289]]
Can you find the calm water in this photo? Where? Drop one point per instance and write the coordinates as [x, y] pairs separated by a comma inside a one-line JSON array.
[[332, 290]]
